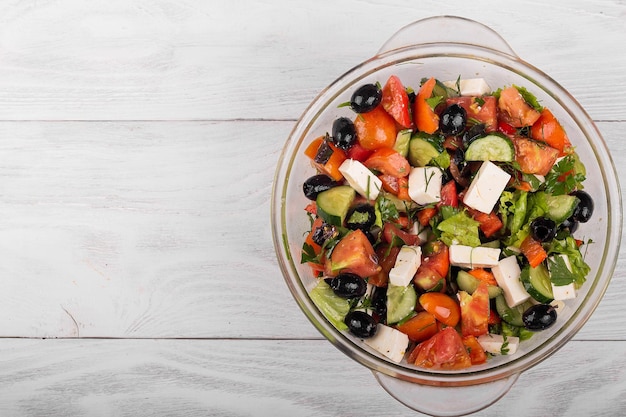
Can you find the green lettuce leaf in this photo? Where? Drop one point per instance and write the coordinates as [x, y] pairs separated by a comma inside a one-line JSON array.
[[459, 229]]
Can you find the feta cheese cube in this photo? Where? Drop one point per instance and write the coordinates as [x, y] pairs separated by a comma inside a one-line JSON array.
[[486, 187], [562, 292], [469, 257], [408, 260], [425, 185], [361, 178], [388, 341], [495, 344], [470, 86], [507, 274]]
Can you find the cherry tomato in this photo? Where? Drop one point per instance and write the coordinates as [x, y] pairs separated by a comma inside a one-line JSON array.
[[442, 306], [396, 101], [420, 327], [375, 129]]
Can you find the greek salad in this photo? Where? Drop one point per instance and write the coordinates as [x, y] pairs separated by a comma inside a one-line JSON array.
[[443, 220]]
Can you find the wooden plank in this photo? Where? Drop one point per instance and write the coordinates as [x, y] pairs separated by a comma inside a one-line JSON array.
[[158, 230], [154, 60], [265, 377]]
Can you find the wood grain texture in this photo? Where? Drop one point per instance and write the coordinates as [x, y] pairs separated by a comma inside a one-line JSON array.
[[268, 378], [145, 59]]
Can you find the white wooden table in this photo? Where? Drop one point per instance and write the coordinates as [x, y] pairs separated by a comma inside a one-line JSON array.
[[138, 141]]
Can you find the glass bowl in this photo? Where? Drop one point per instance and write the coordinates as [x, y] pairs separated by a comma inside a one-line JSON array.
[[445, 53]]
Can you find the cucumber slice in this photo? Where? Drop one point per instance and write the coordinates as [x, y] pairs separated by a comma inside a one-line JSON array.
[[511, 315], [421, 151], [330, 304], [333, 204], [492, 147], [401, 302], [469, 283], [537, 283], [560, 207], [402, 142]]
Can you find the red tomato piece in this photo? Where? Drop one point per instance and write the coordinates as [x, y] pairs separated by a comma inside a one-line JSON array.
[[331, 167], [548, 129], [420, 327], [442, 306], [387, 259], [534, 157], [358, 153], [475, 311], [445, 350], [388, 161], [390, 230], [475, 350], [533, 251], [483, 275], [449, 195], [375, 129], [436, 255], [481, 109], [396, 101], [428, 279], [489, 224], [424, 116], [353, 253], [514, 110]]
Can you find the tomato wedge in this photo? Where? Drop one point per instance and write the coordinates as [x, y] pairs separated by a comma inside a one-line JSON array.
[[420, 327], [442, 306], [534, 157], [424, 116], [475, 350], [548, 129], [387, 259], [426, 214], [489, 224], [388, 161], [449, 195], [514, 109], [533, 251], [375, 129], [396, 101], [390, 231], [331, 166], [480, 109], [354, 253], [475, 311], [358, 153], [445, 350]]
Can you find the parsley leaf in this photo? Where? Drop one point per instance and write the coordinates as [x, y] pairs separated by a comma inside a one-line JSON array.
[[387, 209], [563, 178], [433, 102]]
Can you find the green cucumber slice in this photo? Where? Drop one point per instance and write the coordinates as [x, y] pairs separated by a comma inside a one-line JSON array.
[[421, 151], [560, 207], [333, 204], [511, 315], [401, 302], [537, 283], [468, 283], [493, 147], [402, 142]]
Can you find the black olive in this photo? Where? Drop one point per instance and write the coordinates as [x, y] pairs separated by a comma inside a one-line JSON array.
[[323, 233], [452, 120], [474, 132], [584, 209], [543, 229], [366, 98], [360, 324], [344, 133], [379, 304], [569, 224], [361, 216], [316, 184], [348, 285], [539, 317]]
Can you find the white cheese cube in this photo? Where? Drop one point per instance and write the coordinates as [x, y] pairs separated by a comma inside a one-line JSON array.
[[486, 187], [496, 345], [408, 260], [470, 86], [420, 231], [507, 274], [562, 292], [390, 342], [361, 178], [469, 257], [425, 185]]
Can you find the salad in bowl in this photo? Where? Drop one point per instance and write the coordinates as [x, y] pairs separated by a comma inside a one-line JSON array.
[[446, 215]]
